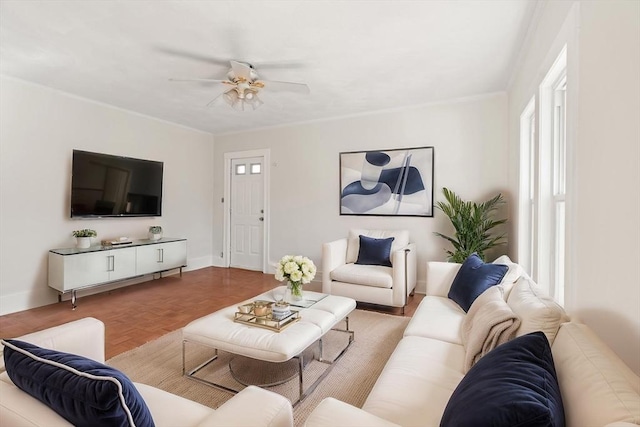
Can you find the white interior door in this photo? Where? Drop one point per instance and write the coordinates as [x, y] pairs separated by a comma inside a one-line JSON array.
[[247, 213]]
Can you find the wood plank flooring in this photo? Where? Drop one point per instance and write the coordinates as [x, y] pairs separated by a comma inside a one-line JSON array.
[[137, 314]]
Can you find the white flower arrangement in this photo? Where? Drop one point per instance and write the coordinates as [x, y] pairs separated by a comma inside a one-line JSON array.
[[297, 270]]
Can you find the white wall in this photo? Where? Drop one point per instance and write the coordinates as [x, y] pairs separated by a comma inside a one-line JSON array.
[[603, 204], [39, 129], [470, 141]]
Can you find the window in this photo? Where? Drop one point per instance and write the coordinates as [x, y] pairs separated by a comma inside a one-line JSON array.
[[526, 232], [241, 169], [255, 168], [543, 181], [559, 185]]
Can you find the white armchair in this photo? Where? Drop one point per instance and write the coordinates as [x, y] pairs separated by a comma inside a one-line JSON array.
[[374, 284]]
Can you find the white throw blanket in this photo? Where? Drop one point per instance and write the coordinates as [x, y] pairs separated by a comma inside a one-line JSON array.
[[488, 323]]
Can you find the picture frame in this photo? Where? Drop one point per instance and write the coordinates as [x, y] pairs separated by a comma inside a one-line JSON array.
[[393, 182]]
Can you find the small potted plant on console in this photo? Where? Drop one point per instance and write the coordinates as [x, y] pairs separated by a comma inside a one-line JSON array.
[[83, 237], [155, 232]]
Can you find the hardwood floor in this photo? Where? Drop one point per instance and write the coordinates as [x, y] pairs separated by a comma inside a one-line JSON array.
[[140, 313]]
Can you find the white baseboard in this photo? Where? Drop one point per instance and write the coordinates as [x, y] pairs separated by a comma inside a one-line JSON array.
[[217, 261], [25, 300], [200, 262]]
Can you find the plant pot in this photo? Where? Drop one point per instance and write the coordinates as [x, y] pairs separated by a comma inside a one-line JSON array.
[[83, 242], [153, 236]]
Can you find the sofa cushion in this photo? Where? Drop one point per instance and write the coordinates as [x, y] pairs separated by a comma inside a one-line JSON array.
[[401, 239], [375, 251], [537, 311], [513, 385], [473, 278], [417, 381], [367, 275], [597, 387], [81, 390], [437, 317]]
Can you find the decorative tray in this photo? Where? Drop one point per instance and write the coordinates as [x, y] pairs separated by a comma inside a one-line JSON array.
[[267, 321]]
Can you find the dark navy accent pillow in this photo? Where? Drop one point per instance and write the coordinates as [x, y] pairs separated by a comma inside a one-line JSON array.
[[474, 277], [515, 384], [82, 391], [375, 251]]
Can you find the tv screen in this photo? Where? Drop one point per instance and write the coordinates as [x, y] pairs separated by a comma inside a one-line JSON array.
[[113, 186]]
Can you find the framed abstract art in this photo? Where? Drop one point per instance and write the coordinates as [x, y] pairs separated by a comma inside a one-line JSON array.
[[397, 182]]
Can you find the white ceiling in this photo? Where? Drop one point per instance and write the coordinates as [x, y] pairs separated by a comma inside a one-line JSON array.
[[356, 56]]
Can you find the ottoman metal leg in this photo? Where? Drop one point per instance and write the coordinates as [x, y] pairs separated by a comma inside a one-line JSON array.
[[191, 374], [304, 393]]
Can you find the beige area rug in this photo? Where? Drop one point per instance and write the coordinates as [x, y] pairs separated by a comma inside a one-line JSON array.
[[159, 363]]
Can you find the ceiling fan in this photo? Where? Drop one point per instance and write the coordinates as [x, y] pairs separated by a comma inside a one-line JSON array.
[[242, 85]]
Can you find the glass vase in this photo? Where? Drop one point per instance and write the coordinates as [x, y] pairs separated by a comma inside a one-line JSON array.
[[294, 292]]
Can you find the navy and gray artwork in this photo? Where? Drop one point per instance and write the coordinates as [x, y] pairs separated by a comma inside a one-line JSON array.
[[378, 185]]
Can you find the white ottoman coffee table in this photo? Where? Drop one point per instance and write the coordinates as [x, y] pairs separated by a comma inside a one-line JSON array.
[[219, 331]]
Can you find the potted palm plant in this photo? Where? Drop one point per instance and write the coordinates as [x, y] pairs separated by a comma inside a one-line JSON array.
[[83, 237], [473, 224]]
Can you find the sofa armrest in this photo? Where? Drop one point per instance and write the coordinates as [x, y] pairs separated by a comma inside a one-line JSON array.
[[401, 292], [84, 337], [597, 387], [440, 276], [19, 409], [334, 254], [331, 413], [252, 407]]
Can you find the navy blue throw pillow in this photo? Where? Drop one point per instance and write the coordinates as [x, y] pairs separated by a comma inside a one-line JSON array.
[[473, 278], [375, 251], [82, 391], [515, 384]]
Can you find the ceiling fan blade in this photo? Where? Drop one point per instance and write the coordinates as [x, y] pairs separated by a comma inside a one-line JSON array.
[[194, 55], [241, 70], [227, 82], [215, 98], [284, 64], [285, 86], [288, 65]]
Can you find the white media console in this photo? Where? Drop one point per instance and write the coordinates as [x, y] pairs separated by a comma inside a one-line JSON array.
[[71, 269]]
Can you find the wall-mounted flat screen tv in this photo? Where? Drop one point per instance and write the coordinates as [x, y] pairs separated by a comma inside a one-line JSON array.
[[103, 185]]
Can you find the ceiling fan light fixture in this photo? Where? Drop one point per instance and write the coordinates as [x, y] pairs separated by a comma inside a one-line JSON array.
[[254, 101], [239, 99], [230, 96], [245, 85]]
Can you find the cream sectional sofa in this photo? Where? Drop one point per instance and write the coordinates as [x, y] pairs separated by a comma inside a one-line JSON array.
[[597, 388], [85, 337]]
